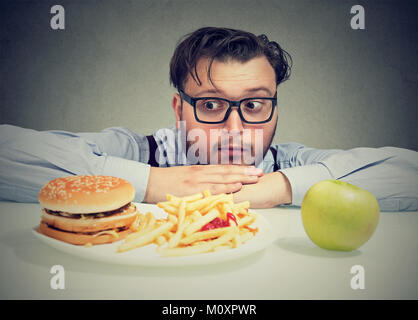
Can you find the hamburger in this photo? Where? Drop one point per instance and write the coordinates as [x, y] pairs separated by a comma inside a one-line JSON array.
[[84, 210]]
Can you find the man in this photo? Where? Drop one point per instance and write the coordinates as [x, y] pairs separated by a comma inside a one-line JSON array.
[[226, 112]]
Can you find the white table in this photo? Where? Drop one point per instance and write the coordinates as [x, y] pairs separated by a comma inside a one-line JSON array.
[[291, 268]]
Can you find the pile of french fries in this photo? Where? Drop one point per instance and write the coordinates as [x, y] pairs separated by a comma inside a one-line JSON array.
[[180, 233]]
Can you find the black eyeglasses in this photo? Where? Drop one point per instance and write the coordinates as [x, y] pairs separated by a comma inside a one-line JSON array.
[[217, 110]]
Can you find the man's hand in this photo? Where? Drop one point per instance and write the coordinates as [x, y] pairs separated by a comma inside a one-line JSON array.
[[271, 190], [187, 180]]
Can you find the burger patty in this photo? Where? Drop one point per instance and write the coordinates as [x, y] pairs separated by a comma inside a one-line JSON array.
[[122, 217], [90, 215], [120, 229], [83, 238]]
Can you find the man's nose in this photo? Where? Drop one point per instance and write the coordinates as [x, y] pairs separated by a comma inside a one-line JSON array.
[[234, 122]]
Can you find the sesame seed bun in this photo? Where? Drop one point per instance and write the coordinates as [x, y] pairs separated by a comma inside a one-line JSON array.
[[86, 194]]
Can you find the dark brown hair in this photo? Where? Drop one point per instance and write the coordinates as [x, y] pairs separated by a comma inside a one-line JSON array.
[[222, 44]]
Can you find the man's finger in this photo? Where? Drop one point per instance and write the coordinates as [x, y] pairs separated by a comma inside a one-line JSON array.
[[230, 169], [223, 188], [230, 178]]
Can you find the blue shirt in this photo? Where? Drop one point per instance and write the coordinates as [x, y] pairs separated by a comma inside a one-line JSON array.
[[29, 159]]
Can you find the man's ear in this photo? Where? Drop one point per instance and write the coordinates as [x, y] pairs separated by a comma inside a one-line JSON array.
[[176, 105]]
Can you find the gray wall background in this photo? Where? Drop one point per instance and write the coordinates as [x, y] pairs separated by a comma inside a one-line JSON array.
[[109, 67]]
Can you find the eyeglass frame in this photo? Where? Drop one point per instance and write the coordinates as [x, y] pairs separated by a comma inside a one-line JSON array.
[[192, 101]]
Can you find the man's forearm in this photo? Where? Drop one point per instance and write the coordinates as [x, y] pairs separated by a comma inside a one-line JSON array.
[[187, 180], [273, 189]]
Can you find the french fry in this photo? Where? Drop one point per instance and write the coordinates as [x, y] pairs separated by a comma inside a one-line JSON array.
[[168, 207], [201, 248], [193, 197], [251, 229], [227, 207], [223, 247], [214, 203], [202, 203], [246, 220], [196, 215], [204, 235], [182, 212], [171, 198], [236, 240], [242, 205], [175, 239], [147, 226], [246, 236], [198, 224], [198, 243], [207, 193], [243, 231], [180, 227], [149, 219], [180, 232], [169, 235], [145, 238], [160, 240], [185, 251], [136, 225], [176, 200], [172, 218]]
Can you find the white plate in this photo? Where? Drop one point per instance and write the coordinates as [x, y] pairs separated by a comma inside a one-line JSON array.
[[148, 256]]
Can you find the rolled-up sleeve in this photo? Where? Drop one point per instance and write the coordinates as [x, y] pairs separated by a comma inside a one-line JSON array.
[[301, 178]]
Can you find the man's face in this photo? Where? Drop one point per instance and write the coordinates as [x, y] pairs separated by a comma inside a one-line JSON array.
[[234, 81]]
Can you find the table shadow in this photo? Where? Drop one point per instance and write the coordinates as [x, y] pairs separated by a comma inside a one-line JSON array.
[[304, 246], [31, 250]]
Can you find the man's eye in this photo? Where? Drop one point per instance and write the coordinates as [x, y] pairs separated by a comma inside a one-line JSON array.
[[253, 105], [212, 105]]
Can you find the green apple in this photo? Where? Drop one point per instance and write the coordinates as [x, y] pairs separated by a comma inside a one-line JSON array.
[[337, 215]]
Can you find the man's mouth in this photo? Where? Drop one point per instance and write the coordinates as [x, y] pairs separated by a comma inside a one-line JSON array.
[[233, 150]]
